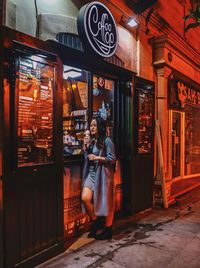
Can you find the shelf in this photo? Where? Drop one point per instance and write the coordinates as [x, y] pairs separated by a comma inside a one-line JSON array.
[[73, 117], [75, 130], [73, 158], [72, 146]]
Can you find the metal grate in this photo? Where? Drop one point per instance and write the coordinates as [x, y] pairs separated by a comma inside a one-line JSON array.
[[70, 40]]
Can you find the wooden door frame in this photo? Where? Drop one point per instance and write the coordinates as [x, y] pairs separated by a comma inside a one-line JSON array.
[[1, 150], [136, 204], [2, 12], [181, 147]]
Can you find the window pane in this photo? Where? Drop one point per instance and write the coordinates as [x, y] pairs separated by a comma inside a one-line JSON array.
[[192, 140], [103, 96], [145, 121], [35, 112], [75, 104]]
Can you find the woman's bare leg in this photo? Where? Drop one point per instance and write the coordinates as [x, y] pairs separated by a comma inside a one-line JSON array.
[[86, 197], [109, 219]]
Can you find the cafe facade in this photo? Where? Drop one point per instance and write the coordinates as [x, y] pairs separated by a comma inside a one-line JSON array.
[[51, 88]]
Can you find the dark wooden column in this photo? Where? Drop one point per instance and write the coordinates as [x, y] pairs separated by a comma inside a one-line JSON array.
[[1, 138], [2, 12]]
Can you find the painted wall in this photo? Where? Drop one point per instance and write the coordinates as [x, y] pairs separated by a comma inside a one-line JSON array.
[[126, 50], [173, 12], [145, 67]]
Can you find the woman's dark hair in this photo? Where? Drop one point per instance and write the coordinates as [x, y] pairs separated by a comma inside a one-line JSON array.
[[101, 130]]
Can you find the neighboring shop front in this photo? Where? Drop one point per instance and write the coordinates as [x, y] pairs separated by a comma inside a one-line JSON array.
[[184, 104], [178, 118]]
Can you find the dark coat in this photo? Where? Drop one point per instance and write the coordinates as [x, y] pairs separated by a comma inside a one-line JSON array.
[[104, 181]]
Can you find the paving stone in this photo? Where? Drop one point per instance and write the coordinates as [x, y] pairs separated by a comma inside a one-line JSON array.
[[110, 264], [184, 227], [169, 241], [189, 256], [77, 259], [143, 256]]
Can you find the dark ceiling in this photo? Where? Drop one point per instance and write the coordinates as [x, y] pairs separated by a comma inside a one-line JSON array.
[[139, 6]]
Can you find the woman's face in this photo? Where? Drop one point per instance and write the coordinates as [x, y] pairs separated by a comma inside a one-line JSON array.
[[93, 127]]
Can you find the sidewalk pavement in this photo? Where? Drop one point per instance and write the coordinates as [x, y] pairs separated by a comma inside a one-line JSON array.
[[156, 238]]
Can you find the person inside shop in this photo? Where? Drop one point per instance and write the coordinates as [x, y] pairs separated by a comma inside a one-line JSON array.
[[98, 179]]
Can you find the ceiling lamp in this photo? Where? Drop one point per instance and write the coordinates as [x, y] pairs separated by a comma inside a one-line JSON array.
[[70, 72], [132, 22]]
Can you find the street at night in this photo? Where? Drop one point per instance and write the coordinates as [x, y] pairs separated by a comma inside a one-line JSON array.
[[157, 238]]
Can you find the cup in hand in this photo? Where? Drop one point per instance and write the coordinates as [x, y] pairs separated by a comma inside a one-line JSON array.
[[87, 139]]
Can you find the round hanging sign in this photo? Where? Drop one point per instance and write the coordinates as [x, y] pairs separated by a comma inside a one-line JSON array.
[[97, 29]]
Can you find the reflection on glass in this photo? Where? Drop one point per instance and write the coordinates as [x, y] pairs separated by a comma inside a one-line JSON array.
[[75, 104], [35, 112], [192, 140], [176, 144], [103, 96], [145, 121], [74, 218]]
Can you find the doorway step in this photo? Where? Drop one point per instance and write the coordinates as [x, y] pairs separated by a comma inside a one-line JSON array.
[[183, 186]]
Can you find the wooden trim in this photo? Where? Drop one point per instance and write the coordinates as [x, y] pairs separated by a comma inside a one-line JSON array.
[[1, 225], [2, 12], [1, 153]]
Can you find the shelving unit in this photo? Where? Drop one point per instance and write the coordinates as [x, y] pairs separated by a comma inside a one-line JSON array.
[[74, 127]]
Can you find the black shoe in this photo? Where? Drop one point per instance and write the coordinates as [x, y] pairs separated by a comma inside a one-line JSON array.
[[95, 226], [105, 234]]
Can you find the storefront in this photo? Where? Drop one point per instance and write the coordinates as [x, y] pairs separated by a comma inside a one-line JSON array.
[[177, 112], [51, 91], [184, 120]]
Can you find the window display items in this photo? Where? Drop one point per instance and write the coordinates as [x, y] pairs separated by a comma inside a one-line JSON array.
[[35, 81], [103, 95], [75, 104], [145, 121]]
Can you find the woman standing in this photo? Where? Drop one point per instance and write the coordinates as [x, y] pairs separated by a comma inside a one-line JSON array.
[[98, 181]]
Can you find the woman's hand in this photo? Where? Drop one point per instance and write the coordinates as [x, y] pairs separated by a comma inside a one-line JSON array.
[[93, 157]]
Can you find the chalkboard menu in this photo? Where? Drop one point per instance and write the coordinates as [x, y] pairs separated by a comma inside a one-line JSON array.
[[35, 81], [145, 121]]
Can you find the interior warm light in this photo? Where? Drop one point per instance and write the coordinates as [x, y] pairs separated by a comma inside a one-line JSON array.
[[148, 87], [132, 23], [35, 58], [70, 72]]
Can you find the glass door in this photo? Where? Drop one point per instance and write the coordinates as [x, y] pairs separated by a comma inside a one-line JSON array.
[[176, 144], [75, 123]]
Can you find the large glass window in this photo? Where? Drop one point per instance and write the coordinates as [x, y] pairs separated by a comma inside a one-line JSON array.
[[103, 97], [192, 140], [145, 121], [35, 83], [75, 105], [176, 144]]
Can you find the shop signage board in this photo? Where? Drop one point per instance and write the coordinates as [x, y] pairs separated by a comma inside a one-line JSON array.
[[187, 94], [97, 29], [182, 93]]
